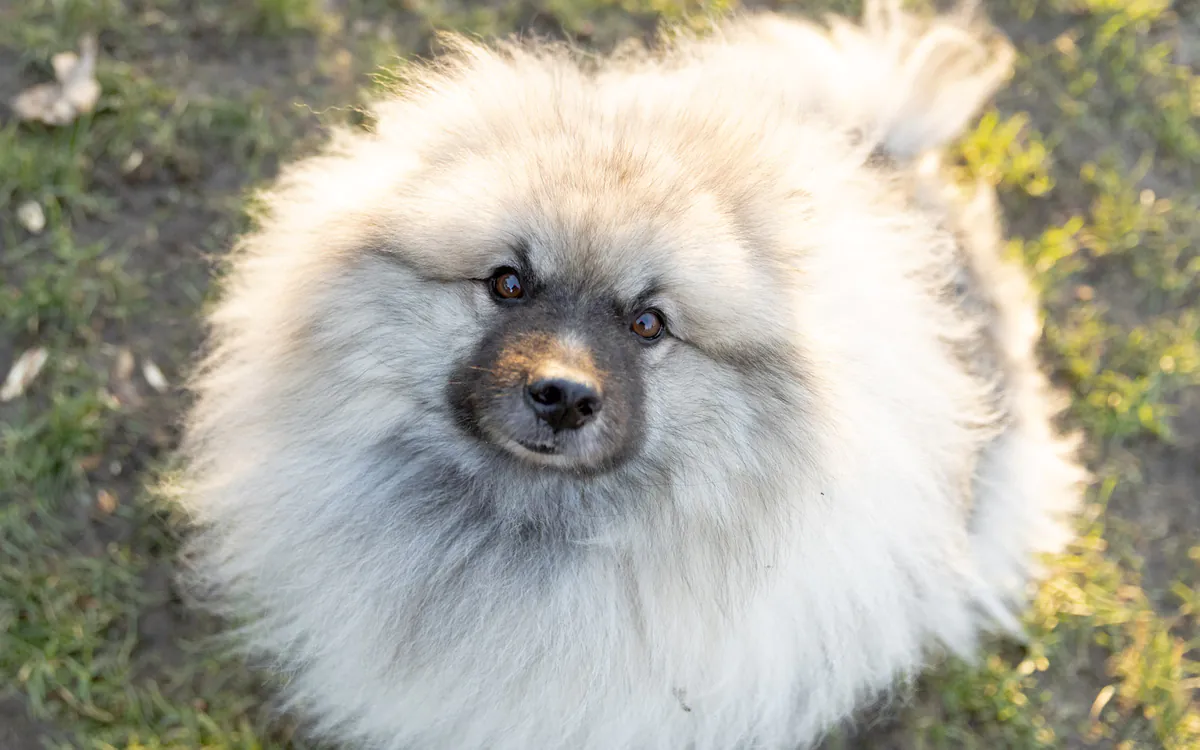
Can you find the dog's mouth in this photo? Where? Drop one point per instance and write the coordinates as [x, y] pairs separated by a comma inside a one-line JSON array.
[[545, 449], [551, 454]]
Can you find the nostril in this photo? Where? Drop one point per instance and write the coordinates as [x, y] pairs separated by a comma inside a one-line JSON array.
[[546, 393], [587, 406]]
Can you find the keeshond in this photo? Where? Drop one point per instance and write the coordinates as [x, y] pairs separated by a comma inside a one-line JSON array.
[[666, 401]]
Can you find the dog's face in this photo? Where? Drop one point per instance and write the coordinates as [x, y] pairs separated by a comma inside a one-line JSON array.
[[566, 304], [582, 332]]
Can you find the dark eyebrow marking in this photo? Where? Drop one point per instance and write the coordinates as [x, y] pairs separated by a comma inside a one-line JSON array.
[[643, 298], [523, 263], [520, 250]]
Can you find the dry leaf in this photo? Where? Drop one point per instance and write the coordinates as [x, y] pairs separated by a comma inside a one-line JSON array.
[[132, 162], [1102, 699], [121, 379], [154, 376], [31, 216], [73, 94], [123, 368], [23, 371], [106, 502]]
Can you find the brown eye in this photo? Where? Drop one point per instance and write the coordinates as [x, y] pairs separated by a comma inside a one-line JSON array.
[[506, 284], [649, 325]]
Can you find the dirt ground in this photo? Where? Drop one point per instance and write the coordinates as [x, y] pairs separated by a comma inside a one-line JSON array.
[[1094, 149]]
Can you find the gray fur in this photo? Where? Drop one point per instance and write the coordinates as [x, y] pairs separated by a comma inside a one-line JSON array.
[[843, 461]]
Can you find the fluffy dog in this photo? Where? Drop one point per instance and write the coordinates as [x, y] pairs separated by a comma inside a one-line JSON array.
[[666, 401]]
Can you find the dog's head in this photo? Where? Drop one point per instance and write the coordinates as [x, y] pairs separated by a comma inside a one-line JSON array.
[[528, 272]]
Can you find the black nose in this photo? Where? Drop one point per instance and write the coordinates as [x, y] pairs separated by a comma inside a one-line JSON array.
[[562, 403]]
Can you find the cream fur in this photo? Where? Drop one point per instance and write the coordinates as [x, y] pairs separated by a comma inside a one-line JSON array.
[[827, 492]]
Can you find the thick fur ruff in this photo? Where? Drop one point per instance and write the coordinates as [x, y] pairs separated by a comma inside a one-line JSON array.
[[847, 459]]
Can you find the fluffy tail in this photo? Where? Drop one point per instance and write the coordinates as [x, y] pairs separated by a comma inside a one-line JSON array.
[[910, 85]]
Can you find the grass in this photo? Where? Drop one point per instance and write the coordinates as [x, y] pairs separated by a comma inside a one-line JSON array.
[[1095, 152]]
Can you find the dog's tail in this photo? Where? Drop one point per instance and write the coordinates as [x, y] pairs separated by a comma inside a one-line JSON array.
[[909, 85]]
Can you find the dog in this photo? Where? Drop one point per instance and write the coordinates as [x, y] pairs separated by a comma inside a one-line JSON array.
[[665, 400]]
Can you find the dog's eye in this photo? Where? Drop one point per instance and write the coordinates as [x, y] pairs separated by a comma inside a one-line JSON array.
[[506, 284], [648, 324]]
